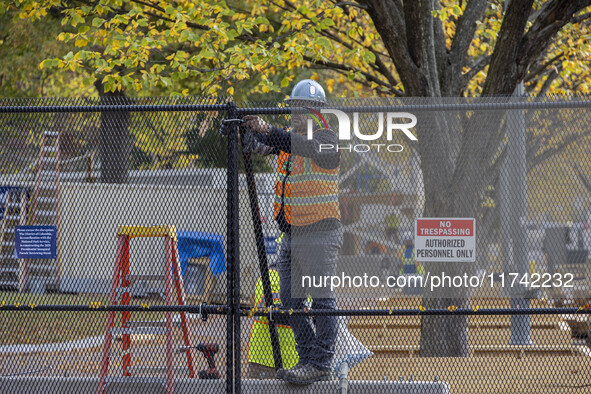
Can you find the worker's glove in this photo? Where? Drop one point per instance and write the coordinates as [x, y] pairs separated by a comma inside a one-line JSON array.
[[256, 124], [252, 145]]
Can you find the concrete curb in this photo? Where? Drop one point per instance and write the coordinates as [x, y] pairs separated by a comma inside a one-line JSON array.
[[54, 347], [26, 385]]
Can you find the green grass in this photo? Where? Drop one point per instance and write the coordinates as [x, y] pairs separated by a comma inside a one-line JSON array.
[[36, 327]]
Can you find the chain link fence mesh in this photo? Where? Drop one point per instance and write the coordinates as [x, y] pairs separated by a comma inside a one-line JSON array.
[[127, 265]]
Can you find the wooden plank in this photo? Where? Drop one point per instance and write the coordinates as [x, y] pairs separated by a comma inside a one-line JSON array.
[[499, 373], [557, 335], [539, 321]]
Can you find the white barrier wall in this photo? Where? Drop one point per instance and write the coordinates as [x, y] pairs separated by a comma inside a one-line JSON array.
[[91, 213]]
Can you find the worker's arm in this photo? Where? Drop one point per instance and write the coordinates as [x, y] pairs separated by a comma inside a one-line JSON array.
[[322, 148]]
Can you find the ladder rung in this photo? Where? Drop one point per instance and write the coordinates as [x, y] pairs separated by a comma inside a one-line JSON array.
[[9, 230], [153, 323], [49, 149], [46, 213], [135, 379], [5, 283], [7, 256], [121, 290], [48, 187], [12, 217], [46, 200], [10, 270], [42, 267], [13, 205], [159, 370], [138, 330], [51, 133], [7, 243], [49, 160], [133, 290], [119, 353], [135, 278]]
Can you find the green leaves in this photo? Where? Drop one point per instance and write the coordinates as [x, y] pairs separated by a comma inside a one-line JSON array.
[[209, 46], [369, 57]]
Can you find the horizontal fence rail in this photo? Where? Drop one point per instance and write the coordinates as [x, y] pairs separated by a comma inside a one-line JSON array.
[[240, 111]]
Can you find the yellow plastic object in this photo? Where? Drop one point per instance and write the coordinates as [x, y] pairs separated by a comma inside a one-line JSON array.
[[148, 231]]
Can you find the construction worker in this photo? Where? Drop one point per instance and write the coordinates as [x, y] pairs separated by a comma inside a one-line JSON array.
[[392, 223], [306, 210], [407, 258], [260, 353]]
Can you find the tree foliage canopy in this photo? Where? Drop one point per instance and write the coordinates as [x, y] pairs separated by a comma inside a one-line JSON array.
[[391, 47]]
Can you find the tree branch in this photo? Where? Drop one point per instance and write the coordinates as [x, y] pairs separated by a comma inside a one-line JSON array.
[[542, 67], [581, 18], [379, 65], [189, 24], [479, 65], [584, 180], [393, 36], [342, 4], [427, 20], [441, 55], [548, 82], [553, 16], [503, 75], [540, 158], [458, 54], [363, 82], [151, 5], [414, 31], [349, 69]]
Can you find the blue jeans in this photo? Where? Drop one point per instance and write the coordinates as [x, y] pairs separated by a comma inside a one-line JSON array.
[[313, 254]]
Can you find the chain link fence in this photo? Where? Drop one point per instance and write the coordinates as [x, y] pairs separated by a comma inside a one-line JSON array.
[[197, 244]]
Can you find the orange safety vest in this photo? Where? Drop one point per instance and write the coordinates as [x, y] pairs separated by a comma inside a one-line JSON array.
[[307, 192]]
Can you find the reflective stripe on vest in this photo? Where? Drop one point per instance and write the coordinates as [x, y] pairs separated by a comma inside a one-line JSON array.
[[307, 192], [299, 201], [309, 177]]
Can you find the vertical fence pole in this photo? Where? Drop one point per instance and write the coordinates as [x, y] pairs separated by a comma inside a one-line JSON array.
[[233, 352], [262, 255], [520, 325], [232, 250], [513, 218]]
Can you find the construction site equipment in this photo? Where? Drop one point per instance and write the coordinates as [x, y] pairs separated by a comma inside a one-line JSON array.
[[14, 214], [208, 350], [123, 281]]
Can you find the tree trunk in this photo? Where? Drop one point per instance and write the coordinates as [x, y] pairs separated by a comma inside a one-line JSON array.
[[114, 138], [455, 176]]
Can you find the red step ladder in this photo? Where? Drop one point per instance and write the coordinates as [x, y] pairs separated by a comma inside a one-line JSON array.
[[123, 281]]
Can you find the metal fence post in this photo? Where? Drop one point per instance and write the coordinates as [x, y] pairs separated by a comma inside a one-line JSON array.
[[262, 257], [232, 279], [513, 217]]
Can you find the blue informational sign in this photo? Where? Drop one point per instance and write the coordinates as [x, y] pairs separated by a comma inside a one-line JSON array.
[[36, 242]]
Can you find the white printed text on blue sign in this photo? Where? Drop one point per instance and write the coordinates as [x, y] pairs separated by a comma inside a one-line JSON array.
[[36, 242]]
